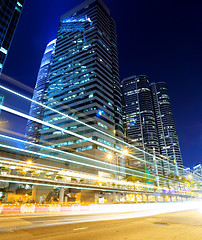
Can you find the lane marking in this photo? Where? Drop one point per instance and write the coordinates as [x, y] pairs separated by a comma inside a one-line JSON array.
[[76, 229]]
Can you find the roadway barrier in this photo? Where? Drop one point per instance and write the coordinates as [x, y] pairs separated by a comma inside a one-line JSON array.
[[54, 208], [97, 208], [41, 208], [11, 208], [27, 208], [65, 208]]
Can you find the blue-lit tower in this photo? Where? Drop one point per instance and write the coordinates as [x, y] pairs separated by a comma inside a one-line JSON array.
[[33, 129], [10, 11], [84, 81]]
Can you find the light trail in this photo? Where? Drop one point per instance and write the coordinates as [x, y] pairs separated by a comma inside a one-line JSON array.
[[119, 181], [66, 160], [68, 132], [71, 173], [101, 213], [74, 162], [164, 159], [7, 109], [54, 157], [62, 185], [16, 83], [135, 172]]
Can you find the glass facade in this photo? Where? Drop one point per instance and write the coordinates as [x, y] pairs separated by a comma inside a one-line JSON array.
[[167, 135], [33, 129], [10, 11], [84, 82], [138, 116]]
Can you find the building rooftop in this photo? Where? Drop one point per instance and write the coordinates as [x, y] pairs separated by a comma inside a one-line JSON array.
[[82, 5]]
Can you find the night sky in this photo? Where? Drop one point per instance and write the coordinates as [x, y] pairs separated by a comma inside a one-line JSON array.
[[161, 39]]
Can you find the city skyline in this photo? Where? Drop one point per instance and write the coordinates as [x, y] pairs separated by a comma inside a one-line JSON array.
[[82, 144], [184, 132]]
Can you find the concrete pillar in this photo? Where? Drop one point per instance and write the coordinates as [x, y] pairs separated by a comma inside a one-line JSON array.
[[61, 195], [114, 196], [34, 193]]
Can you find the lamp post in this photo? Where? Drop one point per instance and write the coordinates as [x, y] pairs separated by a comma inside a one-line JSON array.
[[110, 157]]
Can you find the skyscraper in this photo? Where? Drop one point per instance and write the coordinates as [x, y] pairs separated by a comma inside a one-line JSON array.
[[33, 129], [10, 11], [138, 115], [84, 81], [167, 135]]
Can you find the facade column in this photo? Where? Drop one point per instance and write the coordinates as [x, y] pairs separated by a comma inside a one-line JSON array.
[[61, 195], [34, 193], [114, 196]]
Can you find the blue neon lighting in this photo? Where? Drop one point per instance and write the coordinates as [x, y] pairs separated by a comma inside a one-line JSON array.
[[100, 112], [72, 24], [77, 19]]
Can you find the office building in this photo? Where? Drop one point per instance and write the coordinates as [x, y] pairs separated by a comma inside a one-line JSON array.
[[167, 135], [33, 129], [10, 11], [84, 82], [138, 117]]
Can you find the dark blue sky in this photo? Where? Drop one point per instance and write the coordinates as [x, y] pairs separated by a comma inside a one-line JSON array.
[[162, 39]]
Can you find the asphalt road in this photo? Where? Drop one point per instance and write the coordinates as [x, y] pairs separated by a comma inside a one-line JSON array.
[[185, 225]]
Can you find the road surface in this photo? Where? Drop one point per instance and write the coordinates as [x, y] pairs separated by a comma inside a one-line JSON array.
[[185, 225]]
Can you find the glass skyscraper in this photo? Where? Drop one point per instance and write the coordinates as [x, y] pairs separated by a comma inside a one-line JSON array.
[[149, 123], [138, 116], [167, 135], [84, 82], [10, 11], [33, 129]]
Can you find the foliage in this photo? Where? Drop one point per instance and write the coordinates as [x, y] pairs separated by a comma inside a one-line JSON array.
[[5, 169], [35, 174], [22, 172]]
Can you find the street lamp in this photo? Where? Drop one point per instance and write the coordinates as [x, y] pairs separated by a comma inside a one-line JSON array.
[[110, 157], [125, 152], [29, 162], [189, 176]]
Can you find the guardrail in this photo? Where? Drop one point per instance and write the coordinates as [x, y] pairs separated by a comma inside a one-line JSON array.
[[96, 208]]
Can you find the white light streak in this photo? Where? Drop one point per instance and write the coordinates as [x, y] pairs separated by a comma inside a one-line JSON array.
[[135, 172], [68, 132], [106, 146]]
